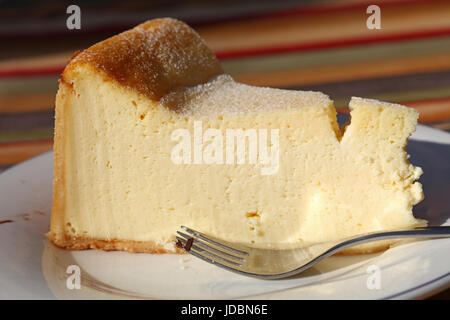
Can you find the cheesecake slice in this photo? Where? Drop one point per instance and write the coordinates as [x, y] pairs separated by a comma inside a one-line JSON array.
[[150, 134]]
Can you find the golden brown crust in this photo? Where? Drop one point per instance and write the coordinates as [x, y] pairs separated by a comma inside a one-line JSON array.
[[82, 243], [67, 242], [152, 58]]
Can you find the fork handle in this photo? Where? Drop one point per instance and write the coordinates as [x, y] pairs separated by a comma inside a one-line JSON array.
[[420, 232]]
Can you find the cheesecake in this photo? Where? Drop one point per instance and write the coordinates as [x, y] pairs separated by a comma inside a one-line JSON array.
[[151, 134]]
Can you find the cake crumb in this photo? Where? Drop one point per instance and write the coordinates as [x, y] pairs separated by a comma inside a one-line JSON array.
[[189, 244]]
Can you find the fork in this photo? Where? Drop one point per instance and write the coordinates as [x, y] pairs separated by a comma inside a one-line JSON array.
[[282, 263]]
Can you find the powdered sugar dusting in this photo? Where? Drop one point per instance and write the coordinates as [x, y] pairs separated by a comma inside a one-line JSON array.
[[222, 95]]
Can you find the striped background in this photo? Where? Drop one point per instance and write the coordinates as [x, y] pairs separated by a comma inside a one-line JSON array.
[[325, 47], [322, 46]]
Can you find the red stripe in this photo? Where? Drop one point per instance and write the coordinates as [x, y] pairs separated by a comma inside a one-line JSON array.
[[30, 72], [245, 53]]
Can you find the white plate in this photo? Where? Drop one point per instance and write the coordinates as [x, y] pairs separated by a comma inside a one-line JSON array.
[[32, 268]]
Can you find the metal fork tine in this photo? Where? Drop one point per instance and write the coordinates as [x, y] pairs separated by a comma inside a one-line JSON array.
[[281, 263], [221, 265], [212, 257], [209, 240], [207, 247]]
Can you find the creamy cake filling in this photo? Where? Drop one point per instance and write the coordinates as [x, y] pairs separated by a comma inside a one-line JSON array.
[[122, 183]]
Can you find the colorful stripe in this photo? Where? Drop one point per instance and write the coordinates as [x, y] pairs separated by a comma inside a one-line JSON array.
[[324, 47], [346, 42]]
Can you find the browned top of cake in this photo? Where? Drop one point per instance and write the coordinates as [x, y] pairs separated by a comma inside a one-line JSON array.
[[152, 58]]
